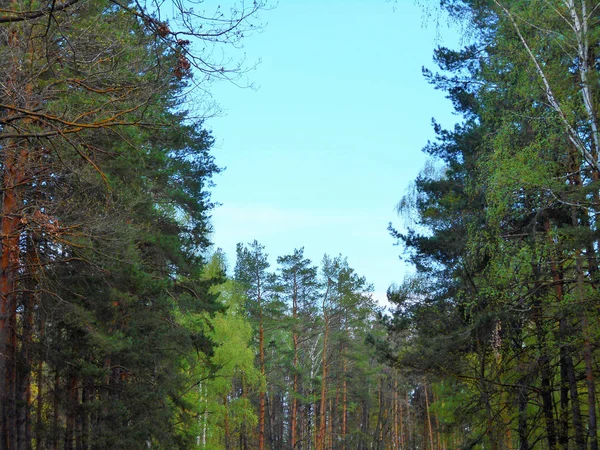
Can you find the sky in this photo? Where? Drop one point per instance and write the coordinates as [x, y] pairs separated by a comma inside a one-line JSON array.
[[321, 151]]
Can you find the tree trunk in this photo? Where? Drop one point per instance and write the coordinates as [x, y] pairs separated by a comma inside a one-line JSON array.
[[587, 358], [331, 415], [563, 435], [591, 387], [575, 408], [262, 393], [56, 412], [431, 445], [344, 404], [395, 415], [84, 441], [547, 403], [24, 375], [40, 391], [544, 364], [400, 427], [294, 418], [522, 418], [322, 411], [557, 278], [408, 424], [71, 413], [226, 423], [25, 362], [9, 265], [491, 430]]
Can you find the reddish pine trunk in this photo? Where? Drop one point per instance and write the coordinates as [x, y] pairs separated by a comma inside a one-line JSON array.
[[428, 419], [9, 264], [322, 410], [294, 418], [344, 404]]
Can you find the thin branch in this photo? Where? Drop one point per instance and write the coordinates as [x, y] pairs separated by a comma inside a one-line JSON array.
[[22, 16]]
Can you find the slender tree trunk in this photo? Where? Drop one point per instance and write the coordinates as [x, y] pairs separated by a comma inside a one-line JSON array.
[[401, 424], [365, 426], [547, 403], [331, 414], [9, 264], [11, 383], [557, 278], [378, 434], [262, 393], [84, 442], [71, 413], [431, 445], [575, 408], [25, 356], [563, 436], [261, 351], [56, 412], [39, 424], [294, 418], [522, 419], [24, 375], [576, 180], [408, 420], [344, 430], [438, 428], [491, 430], [322, 412], [395, 413], [243, 427], [544, 364], [587, 358], [591, 387], [226, 423], [580, 29], [315, 425], [320, 441]]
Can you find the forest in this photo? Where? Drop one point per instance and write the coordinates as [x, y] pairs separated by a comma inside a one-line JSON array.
[[121, 327]]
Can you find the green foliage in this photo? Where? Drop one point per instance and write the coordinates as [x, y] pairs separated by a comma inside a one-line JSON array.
[[501, 237]]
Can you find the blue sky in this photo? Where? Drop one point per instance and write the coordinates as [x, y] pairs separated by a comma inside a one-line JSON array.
[[321, 152]]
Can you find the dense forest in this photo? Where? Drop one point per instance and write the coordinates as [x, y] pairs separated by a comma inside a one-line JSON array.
[[122, 328]]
